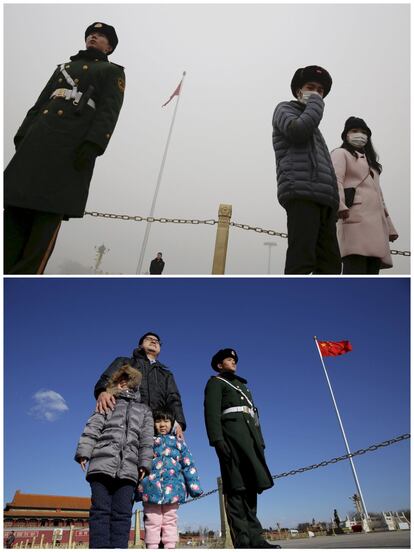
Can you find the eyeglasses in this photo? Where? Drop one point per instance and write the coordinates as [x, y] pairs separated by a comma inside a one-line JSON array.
[[153, 340]]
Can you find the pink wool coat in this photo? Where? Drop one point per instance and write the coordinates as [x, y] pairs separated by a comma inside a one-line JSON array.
[[367, 230]]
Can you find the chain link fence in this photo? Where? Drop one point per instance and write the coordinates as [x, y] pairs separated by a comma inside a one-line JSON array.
[[324, 463], [210, 222]]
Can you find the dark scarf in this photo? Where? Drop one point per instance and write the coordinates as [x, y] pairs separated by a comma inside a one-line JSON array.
[[90, 53]]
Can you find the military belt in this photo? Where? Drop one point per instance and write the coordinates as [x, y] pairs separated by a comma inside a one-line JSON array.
[[67, 94], [244, 409]]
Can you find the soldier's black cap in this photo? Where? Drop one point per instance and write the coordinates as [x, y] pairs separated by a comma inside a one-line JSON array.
[[146, 335], [104, 29], [355, 122], [221, 355], [311, 73]]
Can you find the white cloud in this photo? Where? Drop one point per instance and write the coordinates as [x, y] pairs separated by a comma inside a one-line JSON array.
[[49, 405]]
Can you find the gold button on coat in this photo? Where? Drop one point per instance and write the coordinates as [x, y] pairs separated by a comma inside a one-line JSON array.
[[67, 66], [85, 67], [45, 111], [108, 135], [60, 112], [60, 80], [76, 81]]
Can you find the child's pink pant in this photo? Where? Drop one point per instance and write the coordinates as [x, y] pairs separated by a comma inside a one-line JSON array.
[[160, 518]]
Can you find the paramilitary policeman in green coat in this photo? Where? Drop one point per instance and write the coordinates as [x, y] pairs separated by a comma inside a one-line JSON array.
[[70, 124], [233, 428]]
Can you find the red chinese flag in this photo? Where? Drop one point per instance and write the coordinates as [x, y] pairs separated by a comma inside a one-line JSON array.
[[175, 93], [334, 348]]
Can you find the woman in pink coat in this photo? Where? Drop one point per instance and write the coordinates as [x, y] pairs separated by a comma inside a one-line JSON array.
[[364, 226]]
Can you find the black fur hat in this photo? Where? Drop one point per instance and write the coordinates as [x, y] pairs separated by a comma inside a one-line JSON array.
[[221, 355], [311, 73], [104, 29], [355, 122]]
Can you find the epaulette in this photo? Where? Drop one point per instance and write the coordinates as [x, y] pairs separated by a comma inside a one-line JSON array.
[[120, 66]]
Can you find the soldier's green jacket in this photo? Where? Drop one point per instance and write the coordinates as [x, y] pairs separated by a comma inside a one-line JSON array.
[[41, 174], [247, 468]]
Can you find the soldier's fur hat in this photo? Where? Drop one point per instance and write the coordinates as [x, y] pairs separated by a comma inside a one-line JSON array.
[[311, 73], [104, 29], [221, 355]]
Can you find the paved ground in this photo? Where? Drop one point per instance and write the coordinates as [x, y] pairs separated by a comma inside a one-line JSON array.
[[388, 539]]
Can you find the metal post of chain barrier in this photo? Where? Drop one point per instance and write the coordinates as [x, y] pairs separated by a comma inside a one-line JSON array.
[[225, 529], [138, 543], [222, 239]]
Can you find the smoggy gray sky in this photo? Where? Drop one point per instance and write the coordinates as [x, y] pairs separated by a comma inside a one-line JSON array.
[[239, 59]]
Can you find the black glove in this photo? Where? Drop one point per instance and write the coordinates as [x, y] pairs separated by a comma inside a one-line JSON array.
[[142, 471], [223, 450], [85, 155]]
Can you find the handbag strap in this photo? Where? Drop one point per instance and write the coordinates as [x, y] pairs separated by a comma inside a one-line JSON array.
[[363, 180]]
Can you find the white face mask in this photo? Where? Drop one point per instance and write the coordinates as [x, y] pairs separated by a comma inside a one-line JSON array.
[[357, 139], [305, 95]]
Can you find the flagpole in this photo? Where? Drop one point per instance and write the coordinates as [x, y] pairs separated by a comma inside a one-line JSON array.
[[157, 187], [343, 430]]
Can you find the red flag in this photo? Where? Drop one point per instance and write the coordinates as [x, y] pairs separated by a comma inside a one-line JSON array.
[[175, 93], [334, 348]]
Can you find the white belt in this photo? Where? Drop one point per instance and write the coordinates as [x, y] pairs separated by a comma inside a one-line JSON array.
[[71, 94], [244, 409]]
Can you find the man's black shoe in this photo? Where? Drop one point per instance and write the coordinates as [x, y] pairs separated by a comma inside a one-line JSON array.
[[265, 544]]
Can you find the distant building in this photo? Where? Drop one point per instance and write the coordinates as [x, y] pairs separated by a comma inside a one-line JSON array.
[[48, 519]]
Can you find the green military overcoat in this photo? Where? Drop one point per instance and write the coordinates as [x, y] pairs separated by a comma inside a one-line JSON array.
[[41, 174], [247, 468]]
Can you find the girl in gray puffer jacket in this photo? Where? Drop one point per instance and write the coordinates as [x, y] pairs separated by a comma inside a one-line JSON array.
[[119, 448]]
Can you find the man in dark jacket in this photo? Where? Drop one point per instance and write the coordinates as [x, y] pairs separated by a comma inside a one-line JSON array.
[[307, 184], [158, 388], [70, 124], [233, 428], [157, 264], [10, 540]]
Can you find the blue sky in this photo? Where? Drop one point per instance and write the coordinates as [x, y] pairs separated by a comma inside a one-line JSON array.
[[60, 334]]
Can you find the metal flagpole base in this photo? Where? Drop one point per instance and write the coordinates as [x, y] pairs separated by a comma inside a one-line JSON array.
[[365, 526]]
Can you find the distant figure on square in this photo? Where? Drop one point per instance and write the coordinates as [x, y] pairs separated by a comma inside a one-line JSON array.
[[118, 446], [57, 144], [10, 540], [364, 226], [157, 264], [233, 429], [306, 180], [173, 477]]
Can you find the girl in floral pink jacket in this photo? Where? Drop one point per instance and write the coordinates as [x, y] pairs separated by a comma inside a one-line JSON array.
[[173, 476]]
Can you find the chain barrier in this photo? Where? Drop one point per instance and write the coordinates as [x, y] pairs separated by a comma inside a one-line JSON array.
[[259, 230], [210, 222], [162, 220], [358, 452]]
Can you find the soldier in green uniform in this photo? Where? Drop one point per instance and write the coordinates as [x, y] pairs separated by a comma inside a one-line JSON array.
[[233, 428], [71, 123]]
